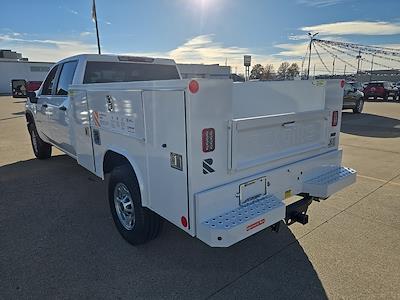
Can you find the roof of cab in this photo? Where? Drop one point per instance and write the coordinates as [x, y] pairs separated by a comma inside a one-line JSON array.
[[120, 58]]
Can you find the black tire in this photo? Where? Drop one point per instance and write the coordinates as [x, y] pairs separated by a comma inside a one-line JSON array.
[[385, 97], [359, 106], [41, 149], [146, 225]]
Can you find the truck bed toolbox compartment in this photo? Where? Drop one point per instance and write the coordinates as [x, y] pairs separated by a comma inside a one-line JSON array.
[[260, 140]]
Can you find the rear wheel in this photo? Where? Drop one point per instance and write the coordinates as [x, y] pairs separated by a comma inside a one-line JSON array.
[[359, 106], [135, 223], [385, 97], [41, 149]]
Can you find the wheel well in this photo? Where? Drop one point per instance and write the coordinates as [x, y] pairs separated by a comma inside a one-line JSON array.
[[112, 160]]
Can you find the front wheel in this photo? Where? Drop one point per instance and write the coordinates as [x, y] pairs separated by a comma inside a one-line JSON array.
[[135, 223], [41, 149], [359, 106]]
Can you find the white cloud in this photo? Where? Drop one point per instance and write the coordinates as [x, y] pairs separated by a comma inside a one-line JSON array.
[[355, 27], [86, 33], [46, 49], [320, 3], [204, 50]]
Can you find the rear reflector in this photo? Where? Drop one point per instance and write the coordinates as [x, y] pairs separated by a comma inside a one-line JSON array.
[[194, 86], [184, 221], [208, 139], [335, 117]]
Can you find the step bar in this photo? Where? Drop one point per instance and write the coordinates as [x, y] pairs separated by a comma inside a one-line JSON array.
[[328, 183], [235, 225]]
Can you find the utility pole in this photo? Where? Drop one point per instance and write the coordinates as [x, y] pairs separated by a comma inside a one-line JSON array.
[[372, 66], [344, 72], [359, 59], [312, 36], [314, 71], [333, 65]]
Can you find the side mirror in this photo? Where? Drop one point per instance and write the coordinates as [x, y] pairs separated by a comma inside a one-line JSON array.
[[32, 97]]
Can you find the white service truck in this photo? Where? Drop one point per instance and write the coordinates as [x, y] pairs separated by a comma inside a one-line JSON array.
[[218, 159]]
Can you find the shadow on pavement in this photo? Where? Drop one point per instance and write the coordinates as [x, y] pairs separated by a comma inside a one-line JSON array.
[[20, 113], [58, 240], [370, 125]]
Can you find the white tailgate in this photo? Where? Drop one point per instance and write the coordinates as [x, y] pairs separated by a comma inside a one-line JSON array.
[[259, 140]]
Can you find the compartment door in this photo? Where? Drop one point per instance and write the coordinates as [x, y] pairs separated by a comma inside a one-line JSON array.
[[81, 133], [166, 154]]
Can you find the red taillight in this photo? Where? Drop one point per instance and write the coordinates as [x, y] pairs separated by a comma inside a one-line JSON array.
[[342, 82], [208, 139], [335, 117]]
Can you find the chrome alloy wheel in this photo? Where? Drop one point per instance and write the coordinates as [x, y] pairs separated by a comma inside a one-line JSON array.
[[124, 206]]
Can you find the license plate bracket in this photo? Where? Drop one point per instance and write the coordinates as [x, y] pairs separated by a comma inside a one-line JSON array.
[[252, 190]]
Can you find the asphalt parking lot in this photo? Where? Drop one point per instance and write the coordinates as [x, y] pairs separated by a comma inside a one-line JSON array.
[[57, 238]]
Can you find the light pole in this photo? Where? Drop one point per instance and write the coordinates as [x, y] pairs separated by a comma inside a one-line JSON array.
[[359, 59], [333, 66], [312, 36], [372, 66]]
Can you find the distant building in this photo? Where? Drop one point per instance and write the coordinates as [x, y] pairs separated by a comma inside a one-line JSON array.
[[204, 71], [8, 54], [14, 66]]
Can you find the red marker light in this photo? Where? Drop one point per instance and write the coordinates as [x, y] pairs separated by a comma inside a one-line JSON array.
[[342, 82], [184, 221], [335, 117], [194, 86]]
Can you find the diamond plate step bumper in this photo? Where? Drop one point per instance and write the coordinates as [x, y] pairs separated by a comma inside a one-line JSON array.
[[235, 225], [330, 182]]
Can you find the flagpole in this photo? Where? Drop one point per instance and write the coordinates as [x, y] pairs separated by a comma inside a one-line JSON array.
[[94, 16]]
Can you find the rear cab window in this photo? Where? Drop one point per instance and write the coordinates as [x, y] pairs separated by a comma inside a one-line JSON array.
[[106, 72]]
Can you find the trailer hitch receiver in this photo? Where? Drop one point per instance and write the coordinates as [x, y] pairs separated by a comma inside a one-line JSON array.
[[297, 211]]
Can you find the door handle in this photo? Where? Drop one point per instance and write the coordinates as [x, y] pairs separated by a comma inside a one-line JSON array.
[[289, 124], [63, 108], [44, 105]]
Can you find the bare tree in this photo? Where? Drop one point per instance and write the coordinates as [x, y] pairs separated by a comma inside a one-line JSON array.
[[293, 70], [269, 72], [283, 70]]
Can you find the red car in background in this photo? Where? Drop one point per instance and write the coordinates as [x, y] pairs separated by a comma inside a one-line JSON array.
[[32, 86], [381, 89]]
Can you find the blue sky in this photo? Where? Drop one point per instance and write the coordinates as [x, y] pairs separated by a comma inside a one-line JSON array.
[[205, 31]]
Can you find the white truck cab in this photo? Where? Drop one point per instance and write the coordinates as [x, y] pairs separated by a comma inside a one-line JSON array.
[[218, 159]]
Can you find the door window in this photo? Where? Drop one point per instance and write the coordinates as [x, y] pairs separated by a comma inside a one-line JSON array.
[[49, 82], [66, 76]]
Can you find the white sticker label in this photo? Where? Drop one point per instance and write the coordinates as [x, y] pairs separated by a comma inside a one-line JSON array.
[[115, 122]]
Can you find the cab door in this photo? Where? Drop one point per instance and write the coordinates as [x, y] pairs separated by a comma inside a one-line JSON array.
[[43, 106], [60, 106]]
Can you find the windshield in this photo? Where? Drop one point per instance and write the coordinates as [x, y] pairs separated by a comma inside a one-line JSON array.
[[104, 72]]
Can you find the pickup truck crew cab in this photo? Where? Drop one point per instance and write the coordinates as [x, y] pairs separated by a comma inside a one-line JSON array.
[[218, 159]]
